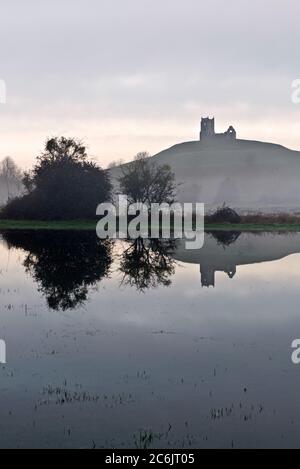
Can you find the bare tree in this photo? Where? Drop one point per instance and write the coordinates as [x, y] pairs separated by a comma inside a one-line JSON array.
[[114, 164], [144, 181], [12, 176], [142, 155]]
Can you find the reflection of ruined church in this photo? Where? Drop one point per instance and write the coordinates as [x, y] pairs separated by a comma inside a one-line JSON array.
[[208, 273], [225, 251], [208, 131]]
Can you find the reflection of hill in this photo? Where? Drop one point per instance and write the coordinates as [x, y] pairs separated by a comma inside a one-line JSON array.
[[247, 248], [64, 264], [67, 264]]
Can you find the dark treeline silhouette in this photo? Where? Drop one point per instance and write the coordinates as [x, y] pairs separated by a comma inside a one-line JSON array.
[[65, 264], [63, 185]]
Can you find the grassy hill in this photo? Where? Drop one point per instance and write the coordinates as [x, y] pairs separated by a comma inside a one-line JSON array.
[[247, 175]]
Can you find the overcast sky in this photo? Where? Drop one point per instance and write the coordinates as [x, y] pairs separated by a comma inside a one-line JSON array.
[[132, 75]]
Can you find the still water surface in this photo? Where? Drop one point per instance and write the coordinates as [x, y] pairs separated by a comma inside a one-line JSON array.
[[131, 345]]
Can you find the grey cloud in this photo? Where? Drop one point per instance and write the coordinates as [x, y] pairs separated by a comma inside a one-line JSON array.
[[106, 59]]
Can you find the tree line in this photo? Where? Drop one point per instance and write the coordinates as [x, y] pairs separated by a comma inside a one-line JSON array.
[[65, 184]]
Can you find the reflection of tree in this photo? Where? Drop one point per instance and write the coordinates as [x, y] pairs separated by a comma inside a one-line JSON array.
[[225, 238], [148, 263], [64, 264]]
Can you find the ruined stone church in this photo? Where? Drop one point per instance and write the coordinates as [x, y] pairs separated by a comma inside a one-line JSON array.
[[208, 131]]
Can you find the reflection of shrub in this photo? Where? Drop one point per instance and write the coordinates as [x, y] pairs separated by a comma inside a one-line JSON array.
[[66, 265], [224, 215], [225, 238]]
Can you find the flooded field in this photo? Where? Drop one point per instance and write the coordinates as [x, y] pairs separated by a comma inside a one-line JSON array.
[[148, 345]]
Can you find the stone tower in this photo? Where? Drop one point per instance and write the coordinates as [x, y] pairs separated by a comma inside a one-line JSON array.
[[207, 128], [208, 131]]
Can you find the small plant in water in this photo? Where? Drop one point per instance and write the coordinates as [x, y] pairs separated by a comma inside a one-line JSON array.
[[145, 438]]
